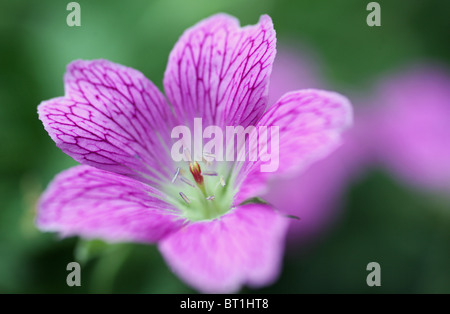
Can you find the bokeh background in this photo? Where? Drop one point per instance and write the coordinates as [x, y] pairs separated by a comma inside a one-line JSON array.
[[380, 218]]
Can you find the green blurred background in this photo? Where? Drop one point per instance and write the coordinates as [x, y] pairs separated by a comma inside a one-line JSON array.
[[406, 231]]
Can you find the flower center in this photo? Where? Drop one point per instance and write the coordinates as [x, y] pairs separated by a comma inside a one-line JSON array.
[[201, 190]]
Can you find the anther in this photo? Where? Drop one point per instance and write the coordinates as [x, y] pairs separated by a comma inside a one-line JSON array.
[[209, 173], [176, 175], [185, 198], [222, 181], [210, 198], [209, 155], [206, 162], [188, 182]]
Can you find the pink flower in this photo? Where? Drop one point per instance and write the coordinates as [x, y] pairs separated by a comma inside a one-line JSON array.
[[118, 124], [413, 115]]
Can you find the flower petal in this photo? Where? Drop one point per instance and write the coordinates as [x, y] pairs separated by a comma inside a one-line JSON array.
[[93, 203], [310, 124], [242, 247], [112, 118], [220, 71]]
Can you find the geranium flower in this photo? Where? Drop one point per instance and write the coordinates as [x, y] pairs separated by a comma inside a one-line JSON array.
[[118, 125]]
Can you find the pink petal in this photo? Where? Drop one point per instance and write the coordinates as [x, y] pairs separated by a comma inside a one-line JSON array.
[[243, 247], [111, 118], [413, 134], [220, 71], [93, 203], [310, 124]]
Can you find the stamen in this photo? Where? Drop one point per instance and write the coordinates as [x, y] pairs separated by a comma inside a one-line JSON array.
[[176, 175], [185, 198], [209, 155], [210, 198], [209, 173], [206, 162], [187, 181], [222, 181], [187, 155]]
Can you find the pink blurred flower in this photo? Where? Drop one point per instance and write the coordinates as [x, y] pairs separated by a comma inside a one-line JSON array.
[[314, 195], [413, 126], [405, 126], [118, 124], [294, 67]]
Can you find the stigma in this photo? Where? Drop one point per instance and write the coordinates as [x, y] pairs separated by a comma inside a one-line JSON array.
[[196, 172]]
